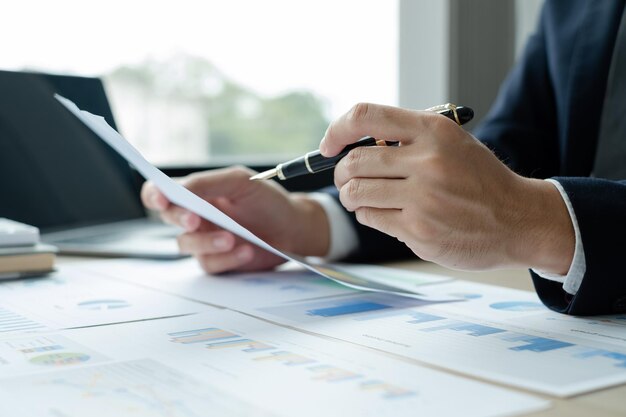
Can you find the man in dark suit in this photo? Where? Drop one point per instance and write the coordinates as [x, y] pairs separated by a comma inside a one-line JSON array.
[[446, 197]]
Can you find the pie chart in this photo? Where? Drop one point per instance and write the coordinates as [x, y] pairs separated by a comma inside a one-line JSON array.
[[107, 304]]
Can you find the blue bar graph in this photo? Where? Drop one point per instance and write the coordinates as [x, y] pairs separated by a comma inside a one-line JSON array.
[[471, 328], [347, 308], [10, 321], [414, 317], [418, 318], [619, 357], [540, 344]]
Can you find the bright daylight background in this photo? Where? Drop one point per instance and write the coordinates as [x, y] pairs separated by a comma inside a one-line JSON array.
[[192, 82]]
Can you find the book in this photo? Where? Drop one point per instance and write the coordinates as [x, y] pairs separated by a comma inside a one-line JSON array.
[[26, 260]]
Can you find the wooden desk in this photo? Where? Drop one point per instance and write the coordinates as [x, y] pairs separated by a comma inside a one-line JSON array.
[[608, 402]]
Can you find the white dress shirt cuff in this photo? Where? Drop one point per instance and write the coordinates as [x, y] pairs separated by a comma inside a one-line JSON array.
[[343, 238], [573, 279]]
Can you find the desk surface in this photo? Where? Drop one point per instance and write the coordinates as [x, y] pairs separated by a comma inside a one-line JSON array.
[[604, 403]]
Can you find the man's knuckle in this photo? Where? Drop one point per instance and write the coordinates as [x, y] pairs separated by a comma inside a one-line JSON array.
[[360, 112], [349, 193], [353, 161], [354, 189]]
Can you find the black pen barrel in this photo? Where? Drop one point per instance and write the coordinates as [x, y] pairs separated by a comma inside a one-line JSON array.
[[314, 161], [318, 163]]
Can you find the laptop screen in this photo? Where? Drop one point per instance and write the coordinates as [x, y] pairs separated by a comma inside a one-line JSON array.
[[54, 172]]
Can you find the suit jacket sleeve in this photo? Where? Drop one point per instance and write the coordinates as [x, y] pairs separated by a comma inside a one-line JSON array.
[[600, 207], [522, 130]]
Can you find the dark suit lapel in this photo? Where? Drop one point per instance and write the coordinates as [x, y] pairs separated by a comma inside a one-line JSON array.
[[591, 58]]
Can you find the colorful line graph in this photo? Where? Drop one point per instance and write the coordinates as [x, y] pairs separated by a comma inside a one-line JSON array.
[[388, 390], [60, 359], [331, 373], [286, 358], [133, 388], [201, 335], [218, 339], [248, 345], [39, 349]]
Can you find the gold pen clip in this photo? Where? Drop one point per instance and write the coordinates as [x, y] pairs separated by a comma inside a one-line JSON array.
[[446, 107]]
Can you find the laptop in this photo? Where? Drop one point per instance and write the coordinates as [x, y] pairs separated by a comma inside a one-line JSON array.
[[57, 175]]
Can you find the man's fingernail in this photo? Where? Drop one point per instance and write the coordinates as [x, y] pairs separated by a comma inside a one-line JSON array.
[[323, 145], [220, 243]]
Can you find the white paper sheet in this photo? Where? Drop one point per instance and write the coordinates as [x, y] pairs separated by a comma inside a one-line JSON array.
[[185, 278], [499, 334], [27, 354], [182, 197], [74, 298], [140, 388], [283, 371]]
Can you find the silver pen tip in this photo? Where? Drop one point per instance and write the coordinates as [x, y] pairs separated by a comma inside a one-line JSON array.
[[265, 175]]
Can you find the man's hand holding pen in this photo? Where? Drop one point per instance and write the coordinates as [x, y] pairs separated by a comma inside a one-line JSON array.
[[441, 192], [446, 195]]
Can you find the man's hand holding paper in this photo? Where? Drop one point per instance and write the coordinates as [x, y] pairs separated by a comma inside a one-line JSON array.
[[289, 222]]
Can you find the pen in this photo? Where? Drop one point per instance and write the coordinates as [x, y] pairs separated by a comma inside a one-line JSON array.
[[314, 162]]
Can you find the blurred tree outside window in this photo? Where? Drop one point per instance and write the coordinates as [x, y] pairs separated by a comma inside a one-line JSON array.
[[214, 82], [185, 109]]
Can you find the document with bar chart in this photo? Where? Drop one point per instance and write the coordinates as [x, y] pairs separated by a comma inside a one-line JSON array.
[[499, 334], [278, 370]]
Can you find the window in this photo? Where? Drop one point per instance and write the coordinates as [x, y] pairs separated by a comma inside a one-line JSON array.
[[194, 82]]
